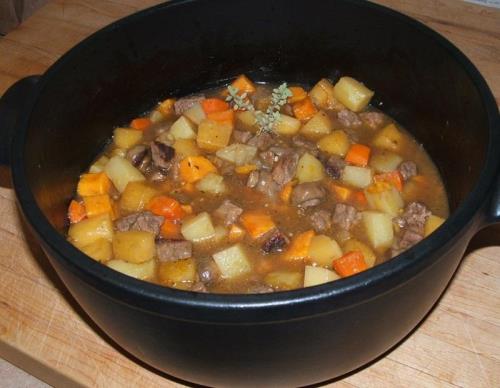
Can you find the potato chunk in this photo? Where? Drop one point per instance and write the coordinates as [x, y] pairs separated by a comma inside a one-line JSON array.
[[432, 223], [98, 165], [384, 197], [355, 245], [196, 114], [287, 125], [213, 135], [378, 227], [385, 161], [323, 250], [352, 93], [185, 148], [319, 125], [140, 271], [121, 172], [389, 138], [309, 169], [198, 228], [318, 275], [212, 183], [237, 153], [136, 196], [245, 121], [126, 137], [91, 229], [134, 246], [183, 129], [359, 177], [284, 280], [336, 143], [178, 274], [323, 96], [100, 250], [232, 262]]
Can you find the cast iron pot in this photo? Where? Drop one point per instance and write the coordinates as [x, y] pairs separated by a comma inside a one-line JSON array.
[[63, 119]]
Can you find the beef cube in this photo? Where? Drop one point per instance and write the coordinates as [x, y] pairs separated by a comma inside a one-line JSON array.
[[334, 166], [207, 269], [262, 141], [173, 250], [321, 220], [276, 242], [185, 103], [162, 155], [345, 216], [408, 169], [142, 221], [228, 212], [307, 194], [241, 136], [348, 118], [374, 120], [285, 169]]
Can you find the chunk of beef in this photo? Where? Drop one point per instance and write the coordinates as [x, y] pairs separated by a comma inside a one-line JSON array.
[[348, 118], [345, 216], [414, 217], [173, 250], [304, 146], [143, 221], [266, 184], [253, 178], [241, 136], [224, 167], [372, 119], [285, 169], [408, 169], [162, 155], [262, 141], [268, 158], [334, 166], [185, 103], [407, 239], [321, 220], [307, 194], [173, 172], [140, 157], [274, 242], [228, 212], [207, 269]]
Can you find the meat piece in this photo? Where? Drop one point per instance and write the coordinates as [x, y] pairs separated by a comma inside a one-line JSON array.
[[173, 250], [307, 194], [253, 178], [334, 166], [348, 118], [286, 167], [241, 136], [408, 169], [268, 158], [185, 103], [207, 269], [266, 184], [372, 119], [173, 172], [344, 216], [162, 155], [321, 220], [407, 239], [276, 242], [256, 287], [199, 287], [142, 221], [262, 141], [140, 157], [224, 167], [414, 217], [304, 146], [228, 212]]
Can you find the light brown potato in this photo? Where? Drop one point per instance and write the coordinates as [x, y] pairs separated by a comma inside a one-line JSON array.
[[134, 246], [336, 143], [352, 93], [142, 271], [284, 280], [91, 229], [319, 125], [213, 136], [179, 273], [136, 196]]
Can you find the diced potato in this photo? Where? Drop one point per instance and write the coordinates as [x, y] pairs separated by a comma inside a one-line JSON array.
[[141, 271], [121, 172], [245, 121], [384, 197], [323, 250], [284, 280], [432, 223], [385, 161], [212, 183], [119, 152], [232, 261], [359, 177], [126, 137], [336, 143], [177, 273], [322, 95], [318, 275], [355, 245], [186, 147], [378, 227], [352, 93], [237, 153], [134, 246], [221, 233], [319, 125], [98, 165], [309, 169], [91, 229], [136, 196], [389, 138], [156, 116], [100, 250], [198, 228], [213, 135], [182, 128], [196, 114], [166, 107], [287, 125]]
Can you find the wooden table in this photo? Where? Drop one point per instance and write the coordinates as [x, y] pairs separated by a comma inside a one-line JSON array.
[[43, 331]]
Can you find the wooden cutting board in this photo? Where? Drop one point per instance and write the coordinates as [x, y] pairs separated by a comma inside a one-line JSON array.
[[43, 331]]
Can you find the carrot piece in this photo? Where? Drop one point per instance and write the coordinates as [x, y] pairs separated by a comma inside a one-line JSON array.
[[76, 211], [245, 169], [349, 264], [393, 177], [194, 168], [305, 109], [98, 204], [93, 184], [257, 223], [170, 230], [167, 207], [358, 154], [188, 209], [166, 108], [286, 192], [299, 246], [235, 233], [360, 198], [243, 84], [211, 105], [298, 94], [141, 124], [342, 193], [225, 116]]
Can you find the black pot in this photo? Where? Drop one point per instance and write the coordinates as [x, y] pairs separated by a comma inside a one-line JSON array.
[[63, 119]]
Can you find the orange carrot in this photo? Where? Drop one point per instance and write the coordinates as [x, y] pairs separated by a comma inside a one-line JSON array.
[[393, 177], [167, 207], [98, 204], [93, 184], [225, 116], [257, 223], [305, 109], [194, 168], [299, 246], [170, 230], [211, 105], [298, 94], [166, 108], [243, 84], [349, 264], [360, 198], [286, 192], [141, 124], [358, 155], [342, 193], [76, 211]]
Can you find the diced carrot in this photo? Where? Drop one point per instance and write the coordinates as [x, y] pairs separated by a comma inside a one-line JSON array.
[[225, 116], [98, 204], [245, 169], [166, 206], [298, 94], [304, 110], [93, 184], [211, 105], [170, 230], [342, 193], [299, 246], [188, 209], [166, 108], [235, 233], [349, 264], [243, 84], [358, 154], [286, 192], [194, 168], [257, 223], [393, 177], [76, 211], [141, 124], [359, 198]]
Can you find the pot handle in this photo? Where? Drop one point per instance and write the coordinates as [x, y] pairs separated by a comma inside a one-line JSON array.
[[493, 215], [12, 104]]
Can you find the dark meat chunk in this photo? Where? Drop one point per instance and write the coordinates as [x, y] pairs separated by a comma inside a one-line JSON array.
[[304, 146], [407, 239], [348, 118], [207, 269], [408, 169], [140, 157], [334, 166], [344, 216], [162, 155], [414, 217], [268, 158], [307, 194], [224, 167], [372, 119], [241, 136], [185, 103], [143, 221], [321, 220], [262, 141], [173, 250], [276, 242], [228, 212], [173, 172], [266, 184], [253, 178], [285, 169]]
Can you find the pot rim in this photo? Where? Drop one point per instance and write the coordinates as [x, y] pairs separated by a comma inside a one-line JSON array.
[[335, 295]]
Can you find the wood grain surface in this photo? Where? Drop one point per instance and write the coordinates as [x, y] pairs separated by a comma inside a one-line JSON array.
[[43, 331]]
